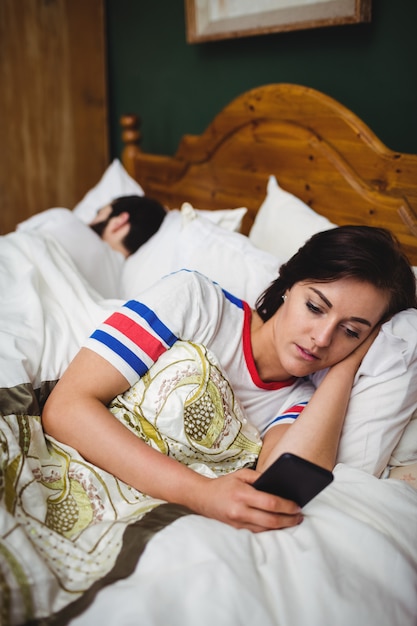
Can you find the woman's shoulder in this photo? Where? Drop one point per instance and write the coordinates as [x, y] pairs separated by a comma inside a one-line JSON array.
[[190, 279], [201, 286], [188, 294]]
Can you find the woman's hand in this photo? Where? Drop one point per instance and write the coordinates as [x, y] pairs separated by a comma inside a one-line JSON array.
[[316, 432], [355, 358], [233, 500]]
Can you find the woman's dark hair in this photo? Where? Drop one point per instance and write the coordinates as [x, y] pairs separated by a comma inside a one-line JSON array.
[[145, 217], [369, 254]]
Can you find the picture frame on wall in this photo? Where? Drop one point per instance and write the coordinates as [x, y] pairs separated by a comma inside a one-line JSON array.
[[208, 20]]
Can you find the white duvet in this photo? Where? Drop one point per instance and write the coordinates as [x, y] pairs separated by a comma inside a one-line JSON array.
[[352, 562], [47, 308]]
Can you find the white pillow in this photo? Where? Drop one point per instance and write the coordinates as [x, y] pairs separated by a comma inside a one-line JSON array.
[[405, 452], [230, 219], [114, 183], [284, 223], [225, 256], [383, 399]]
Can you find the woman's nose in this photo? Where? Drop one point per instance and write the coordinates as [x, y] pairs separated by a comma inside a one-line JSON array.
[[322, 334]]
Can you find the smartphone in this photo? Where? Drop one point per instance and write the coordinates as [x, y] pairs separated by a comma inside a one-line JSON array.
[[294, 478]]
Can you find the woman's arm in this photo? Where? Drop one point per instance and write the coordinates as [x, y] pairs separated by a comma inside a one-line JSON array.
[[76, 413], [315, 434]]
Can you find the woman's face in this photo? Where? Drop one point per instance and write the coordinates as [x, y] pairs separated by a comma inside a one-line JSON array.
[[319, 324]]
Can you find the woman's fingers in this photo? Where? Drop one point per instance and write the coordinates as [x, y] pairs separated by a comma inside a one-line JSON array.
[[233, 500]]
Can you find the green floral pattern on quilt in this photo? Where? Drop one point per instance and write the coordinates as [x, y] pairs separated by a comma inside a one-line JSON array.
[[185, 408], [62, 519]]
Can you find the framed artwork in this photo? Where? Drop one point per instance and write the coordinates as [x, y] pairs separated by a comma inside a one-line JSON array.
[[207, 20]]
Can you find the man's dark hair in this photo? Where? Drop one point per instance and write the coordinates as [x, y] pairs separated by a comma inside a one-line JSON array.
[[145, 217]]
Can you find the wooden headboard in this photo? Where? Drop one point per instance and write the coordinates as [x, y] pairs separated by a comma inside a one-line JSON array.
[[317, 149]]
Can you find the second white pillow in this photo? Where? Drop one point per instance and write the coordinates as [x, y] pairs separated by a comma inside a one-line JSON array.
[[284, 222]]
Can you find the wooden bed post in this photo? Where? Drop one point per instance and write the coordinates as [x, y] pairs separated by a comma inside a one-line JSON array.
[[131, 137]]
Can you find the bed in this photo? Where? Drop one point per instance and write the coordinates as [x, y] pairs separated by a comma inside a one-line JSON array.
[[78, 546]]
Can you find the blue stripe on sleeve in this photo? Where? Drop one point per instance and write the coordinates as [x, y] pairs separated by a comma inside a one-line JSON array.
[[121, 350], [292, 413], [233, 299], [154, 322]]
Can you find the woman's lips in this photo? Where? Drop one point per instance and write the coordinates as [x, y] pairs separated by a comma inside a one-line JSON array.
[[305, 354]]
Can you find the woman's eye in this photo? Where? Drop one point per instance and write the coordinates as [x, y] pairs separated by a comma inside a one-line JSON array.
[[352, 333], [313, 307]]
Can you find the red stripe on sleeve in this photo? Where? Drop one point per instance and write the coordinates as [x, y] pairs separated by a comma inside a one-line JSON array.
[[138, 335]]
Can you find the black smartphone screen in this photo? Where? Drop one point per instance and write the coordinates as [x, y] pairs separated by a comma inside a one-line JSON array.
[[294, 478]]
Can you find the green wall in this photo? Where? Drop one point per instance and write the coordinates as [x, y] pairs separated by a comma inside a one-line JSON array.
[[177, 88]]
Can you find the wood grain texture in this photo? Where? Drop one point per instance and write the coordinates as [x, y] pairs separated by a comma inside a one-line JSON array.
[[318, 150], [53, 104]]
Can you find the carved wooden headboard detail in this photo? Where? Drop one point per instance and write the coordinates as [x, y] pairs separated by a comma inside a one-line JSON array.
[[317, 149]]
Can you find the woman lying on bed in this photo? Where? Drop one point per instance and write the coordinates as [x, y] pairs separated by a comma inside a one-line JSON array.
[[123, 226], [323, 311]]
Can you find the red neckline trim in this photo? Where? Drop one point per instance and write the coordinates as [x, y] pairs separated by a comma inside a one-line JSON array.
[[250, 362]]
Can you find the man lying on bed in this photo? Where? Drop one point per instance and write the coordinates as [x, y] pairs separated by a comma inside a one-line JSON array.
[[322, 312], [123, 226]]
